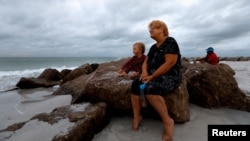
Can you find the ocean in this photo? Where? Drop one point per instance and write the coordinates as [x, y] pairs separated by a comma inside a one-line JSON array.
[[12, 69]]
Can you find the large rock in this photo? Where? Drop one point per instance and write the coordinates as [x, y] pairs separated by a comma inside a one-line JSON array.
[[214, 86], [226, 68], [50, 74], [28, 83], [87, 123], [106, 86], [178, 103], [84, 69], [48, 78], [76, 88], [103, 85], [84, 122], [74, 83]]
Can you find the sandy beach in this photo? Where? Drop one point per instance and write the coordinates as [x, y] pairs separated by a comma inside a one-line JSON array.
[[194, 130], [21, 105]]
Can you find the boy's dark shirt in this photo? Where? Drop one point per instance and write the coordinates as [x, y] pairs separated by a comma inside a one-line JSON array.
[[134, 64]]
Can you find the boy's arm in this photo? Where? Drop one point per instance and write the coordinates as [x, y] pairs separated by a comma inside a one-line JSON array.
[[127, 63]]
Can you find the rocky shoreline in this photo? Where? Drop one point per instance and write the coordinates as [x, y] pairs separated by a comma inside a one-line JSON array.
[[203, 84]]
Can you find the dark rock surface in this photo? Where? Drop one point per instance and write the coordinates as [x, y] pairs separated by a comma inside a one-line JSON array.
[[28, 83], [213, 86], [48, 78], [87, 121]]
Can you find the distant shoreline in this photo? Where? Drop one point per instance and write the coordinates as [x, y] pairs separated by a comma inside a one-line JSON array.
[[238, 58]]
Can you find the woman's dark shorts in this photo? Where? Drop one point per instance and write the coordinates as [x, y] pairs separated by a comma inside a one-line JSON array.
[[151, 88]]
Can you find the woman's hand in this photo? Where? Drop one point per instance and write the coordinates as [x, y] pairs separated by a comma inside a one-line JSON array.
[[147, 78], [144, 74]]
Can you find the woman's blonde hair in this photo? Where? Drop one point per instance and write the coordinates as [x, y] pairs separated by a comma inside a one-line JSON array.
[[141, 45], [159, 24]]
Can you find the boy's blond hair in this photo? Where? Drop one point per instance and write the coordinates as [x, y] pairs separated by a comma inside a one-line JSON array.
[[141, 45]]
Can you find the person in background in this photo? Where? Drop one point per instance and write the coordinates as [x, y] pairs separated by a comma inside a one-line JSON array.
[[134, 63], [211, 57], [161, 72]]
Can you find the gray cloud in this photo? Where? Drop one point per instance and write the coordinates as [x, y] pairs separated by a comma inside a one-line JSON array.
[[110, 27]]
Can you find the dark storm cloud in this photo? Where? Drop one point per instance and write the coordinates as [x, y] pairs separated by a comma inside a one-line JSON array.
[[110, 27], [212, 23]]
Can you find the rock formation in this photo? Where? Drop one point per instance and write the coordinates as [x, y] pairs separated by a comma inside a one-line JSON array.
[[210, 86], [86, 121], [214, 86]]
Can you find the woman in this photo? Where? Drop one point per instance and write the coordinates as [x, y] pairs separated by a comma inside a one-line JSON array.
[[161, 71]]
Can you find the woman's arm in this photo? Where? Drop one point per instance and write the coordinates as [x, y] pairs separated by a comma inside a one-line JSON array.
[[144, 68], [170, 61]]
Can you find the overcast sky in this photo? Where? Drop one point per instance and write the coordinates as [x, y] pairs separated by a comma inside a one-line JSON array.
[[89, 28]]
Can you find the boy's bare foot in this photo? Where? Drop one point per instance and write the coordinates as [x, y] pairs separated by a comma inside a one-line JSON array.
[[122, 74], [136, 123], [168, 131]]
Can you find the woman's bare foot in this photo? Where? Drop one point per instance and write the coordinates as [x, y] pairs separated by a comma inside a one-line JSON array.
[[168, 131], [136, 123]]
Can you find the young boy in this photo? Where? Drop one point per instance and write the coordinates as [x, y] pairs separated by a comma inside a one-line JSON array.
[[211, 57], [135, 63]]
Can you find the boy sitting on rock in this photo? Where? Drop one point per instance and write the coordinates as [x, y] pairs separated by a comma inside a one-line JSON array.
[[134, 63]]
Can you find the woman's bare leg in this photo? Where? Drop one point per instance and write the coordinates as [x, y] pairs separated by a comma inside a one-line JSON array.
[[135, 100], [160, 106]]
